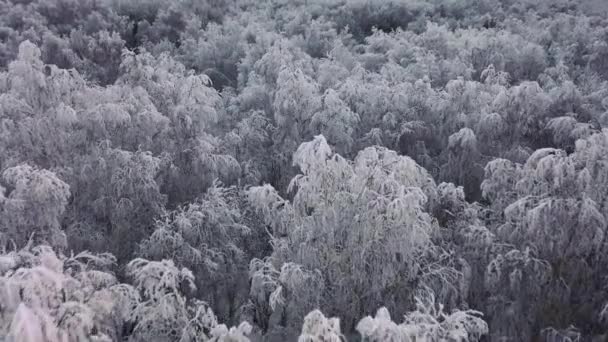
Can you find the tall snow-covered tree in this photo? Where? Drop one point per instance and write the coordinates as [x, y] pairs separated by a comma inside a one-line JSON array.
[[32, 203], [360, 224]]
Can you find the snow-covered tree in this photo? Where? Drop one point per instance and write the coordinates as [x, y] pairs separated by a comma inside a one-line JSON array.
[[360, 224], [208, 237], [427, 323], [32, 203]]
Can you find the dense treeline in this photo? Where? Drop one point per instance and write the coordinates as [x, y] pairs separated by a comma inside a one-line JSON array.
[[420, 170]]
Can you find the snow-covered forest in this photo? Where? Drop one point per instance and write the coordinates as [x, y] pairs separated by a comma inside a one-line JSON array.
[[303, 170]]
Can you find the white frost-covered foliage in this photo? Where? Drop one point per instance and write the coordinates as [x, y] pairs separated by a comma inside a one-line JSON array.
[[553, 201], [164, 311], [295, 103], [124, 149], [336, 122], [50, 297], [318, 328], [498, 185], [33, 207], [462, 166], [117, 117], [428, 323], [557, 212], [355, 230], [207, 237], [46, 297]]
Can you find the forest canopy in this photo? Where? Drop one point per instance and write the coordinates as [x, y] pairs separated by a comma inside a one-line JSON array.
[[303, 170]]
